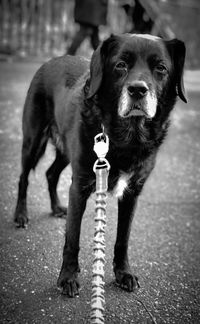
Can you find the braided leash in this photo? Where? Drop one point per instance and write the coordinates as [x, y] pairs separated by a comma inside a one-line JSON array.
[[101, 169]]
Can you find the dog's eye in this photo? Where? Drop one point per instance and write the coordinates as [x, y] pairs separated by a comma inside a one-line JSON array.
[[160, 68], [121, 65]]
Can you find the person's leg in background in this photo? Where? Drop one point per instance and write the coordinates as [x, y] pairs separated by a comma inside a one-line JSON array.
[[84, 31], [95, 37]]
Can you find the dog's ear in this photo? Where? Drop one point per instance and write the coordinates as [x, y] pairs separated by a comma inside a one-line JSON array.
[[176, 49], [96, 72], [97, 65]]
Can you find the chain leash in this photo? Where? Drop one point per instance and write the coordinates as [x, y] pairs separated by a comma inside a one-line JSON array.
[[101, 169]]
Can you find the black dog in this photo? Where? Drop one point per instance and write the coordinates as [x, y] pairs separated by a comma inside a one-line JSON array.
[[130, 89]]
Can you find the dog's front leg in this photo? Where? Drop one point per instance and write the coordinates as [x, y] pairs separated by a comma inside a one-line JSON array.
[[123, 274], [68, 278]]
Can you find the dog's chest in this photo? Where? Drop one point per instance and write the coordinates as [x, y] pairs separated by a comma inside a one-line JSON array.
[[123, 165], [122, 184]]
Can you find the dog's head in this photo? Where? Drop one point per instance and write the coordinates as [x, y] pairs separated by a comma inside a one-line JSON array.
[[136, 72]]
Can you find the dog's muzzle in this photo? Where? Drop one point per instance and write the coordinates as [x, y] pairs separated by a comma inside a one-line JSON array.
[[137, 100], [137, 90]]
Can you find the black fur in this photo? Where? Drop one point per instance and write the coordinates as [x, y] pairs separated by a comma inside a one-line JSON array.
[[68, 102]]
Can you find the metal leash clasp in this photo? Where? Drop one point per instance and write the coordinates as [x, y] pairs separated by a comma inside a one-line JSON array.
[[101, 147]]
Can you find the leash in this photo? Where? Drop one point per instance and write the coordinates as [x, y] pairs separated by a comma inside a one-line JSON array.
[[101, 169]]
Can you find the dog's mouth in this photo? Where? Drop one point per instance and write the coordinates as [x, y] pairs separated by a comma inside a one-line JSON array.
[[135, 111]]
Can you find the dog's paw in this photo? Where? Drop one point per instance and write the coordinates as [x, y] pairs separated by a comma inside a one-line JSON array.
[[69, 283], [59, 211], [126, 280], [21, 219]]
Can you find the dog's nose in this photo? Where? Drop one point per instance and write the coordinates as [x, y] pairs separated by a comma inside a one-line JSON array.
[[137, 89]]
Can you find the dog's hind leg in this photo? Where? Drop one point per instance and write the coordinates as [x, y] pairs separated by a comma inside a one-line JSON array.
[[34, 145], [52, 175]]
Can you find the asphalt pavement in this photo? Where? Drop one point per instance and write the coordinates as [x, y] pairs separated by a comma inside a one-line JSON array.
[[165, 240]]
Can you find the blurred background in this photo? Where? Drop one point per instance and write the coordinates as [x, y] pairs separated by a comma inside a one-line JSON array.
[[45, 28]]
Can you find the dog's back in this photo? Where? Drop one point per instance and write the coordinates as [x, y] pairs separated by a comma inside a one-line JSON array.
[[48, 94], [61, 72]]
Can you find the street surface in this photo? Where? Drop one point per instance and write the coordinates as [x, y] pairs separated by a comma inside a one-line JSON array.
[[165, 239]]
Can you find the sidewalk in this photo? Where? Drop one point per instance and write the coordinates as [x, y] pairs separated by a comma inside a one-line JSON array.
[[164, 243]]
